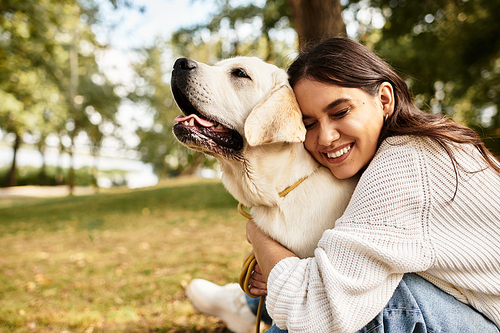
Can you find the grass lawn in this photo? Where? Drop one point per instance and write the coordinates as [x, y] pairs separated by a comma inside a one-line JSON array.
[[117, 262]]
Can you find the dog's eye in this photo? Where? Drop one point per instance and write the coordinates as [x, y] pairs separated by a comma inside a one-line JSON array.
[[238, 72]]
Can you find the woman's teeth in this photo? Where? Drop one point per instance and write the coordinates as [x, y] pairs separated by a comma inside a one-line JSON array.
[[339, 152]]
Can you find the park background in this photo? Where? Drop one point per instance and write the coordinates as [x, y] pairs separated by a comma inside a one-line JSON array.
[[85, 103]]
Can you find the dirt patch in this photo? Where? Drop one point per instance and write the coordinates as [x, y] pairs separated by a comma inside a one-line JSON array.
[[42, 191]]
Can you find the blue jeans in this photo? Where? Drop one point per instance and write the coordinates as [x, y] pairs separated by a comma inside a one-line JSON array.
[[416, 306]]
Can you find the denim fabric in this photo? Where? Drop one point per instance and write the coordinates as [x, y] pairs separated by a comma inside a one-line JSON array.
[[420, 307], [253, 304]]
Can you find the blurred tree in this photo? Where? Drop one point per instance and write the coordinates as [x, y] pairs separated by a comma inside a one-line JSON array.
[[50, 85], [152, 94], [401, 32], [449, 53], [316, 19], [9, 107], [447, 50], [47, 63], [25, 85], [265, 32], [244, 30]]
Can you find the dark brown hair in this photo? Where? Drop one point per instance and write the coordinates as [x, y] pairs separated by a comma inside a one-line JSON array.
[[344, 62]]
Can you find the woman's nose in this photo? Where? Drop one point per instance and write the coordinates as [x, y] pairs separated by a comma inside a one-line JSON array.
[[328, 135]]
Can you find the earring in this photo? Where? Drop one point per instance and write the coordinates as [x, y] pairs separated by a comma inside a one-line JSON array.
[[386, 116]]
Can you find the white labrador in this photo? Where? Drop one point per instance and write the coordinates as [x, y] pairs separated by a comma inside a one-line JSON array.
[[243, 112]]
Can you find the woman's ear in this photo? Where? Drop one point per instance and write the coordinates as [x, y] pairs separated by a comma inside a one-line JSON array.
[[386, 96]]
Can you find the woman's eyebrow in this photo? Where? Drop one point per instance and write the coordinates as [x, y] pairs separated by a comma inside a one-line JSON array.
[[335, 103]]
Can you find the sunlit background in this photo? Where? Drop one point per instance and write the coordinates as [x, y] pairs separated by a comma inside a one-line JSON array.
[[86, 109], [123, 30], [85, 96]]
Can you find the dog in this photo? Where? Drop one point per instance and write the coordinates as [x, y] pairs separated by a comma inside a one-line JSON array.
[[243, 112]]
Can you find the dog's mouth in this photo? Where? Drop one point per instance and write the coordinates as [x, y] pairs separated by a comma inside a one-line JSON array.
[[196, 129]]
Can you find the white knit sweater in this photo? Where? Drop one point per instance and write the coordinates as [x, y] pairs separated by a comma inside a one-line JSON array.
[[403, 217]]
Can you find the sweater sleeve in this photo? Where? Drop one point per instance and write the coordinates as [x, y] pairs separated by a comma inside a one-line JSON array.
[[358, 264]]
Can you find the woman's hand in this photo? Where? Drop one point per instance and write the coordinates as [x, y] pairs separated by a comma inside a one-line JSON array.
[[258, 286], [268, 253]]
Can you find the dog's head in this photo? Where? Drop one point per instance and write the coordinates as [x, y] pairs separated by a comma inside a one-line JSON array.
[[235, 103]]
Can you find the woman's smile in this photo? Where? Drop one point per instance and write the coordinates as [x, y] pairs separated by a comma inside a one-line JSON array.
[[343, 124], [339, 154]]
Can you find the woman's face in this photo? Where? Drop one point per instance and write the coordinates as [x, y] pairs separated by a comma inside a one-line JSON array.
[[343, 124]]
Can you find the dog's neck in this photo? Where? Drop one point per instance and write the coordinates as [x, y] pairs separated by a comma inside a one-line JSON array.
[[266, 171]]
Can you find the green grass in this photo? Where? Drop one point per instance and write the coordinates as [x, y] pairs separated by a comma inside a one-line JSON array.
[[117, 262]]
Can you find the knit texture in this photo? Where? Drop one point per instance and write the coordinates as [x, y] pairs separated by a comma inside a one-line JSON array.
[[404, 216]]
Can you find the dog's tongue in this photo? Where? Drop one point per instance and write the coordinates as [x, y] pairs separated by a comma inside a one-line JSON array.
[[202, 122]]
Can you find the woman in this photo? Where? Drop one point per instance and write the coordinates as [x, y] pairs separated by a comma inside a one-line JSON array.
[[427, 202]]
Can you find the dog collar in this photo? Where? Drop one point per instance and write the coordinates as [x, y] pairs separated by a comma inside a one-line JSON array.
[[281, 195]]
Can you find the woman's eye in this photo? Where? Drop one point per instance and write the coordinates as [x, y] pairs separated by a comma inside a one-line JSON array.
[[341, 113], [238, 72], [309, 126]]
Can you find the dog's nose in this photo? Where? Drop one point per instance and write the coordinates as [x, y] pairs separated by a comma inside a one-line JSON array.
[[185, 64]]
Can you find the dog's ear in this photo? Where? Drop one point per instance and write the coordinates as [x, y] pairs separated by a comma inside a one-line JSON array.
[[276, 119]]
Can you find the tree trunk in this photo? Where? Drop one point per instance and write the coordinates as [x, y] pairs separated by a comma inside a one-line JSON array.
[[11, 177], [316, 20], [59, 169], [95, 168], [73, 88], [71, 171], [42, 176]]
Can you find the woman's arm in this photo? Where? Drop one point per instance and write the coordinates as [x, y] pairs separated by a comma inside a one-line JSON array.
[[358, 264], [268, 253]]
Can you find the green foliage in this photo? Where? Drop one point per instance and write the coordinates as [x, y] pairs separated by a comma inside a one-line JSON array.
[[49, 74], [449, 53], [268, 31], [218, 39], [447, 50], [152, 93]]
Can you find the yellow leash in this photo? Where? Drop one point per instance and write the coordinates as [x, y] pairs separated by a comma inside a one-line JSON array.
[[242, 212], [250, 261], [243, 280], [246, 273]]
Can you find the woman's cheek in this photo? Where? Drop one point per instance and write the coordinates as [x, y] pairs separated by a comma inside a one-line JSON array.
[[309, 142]]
